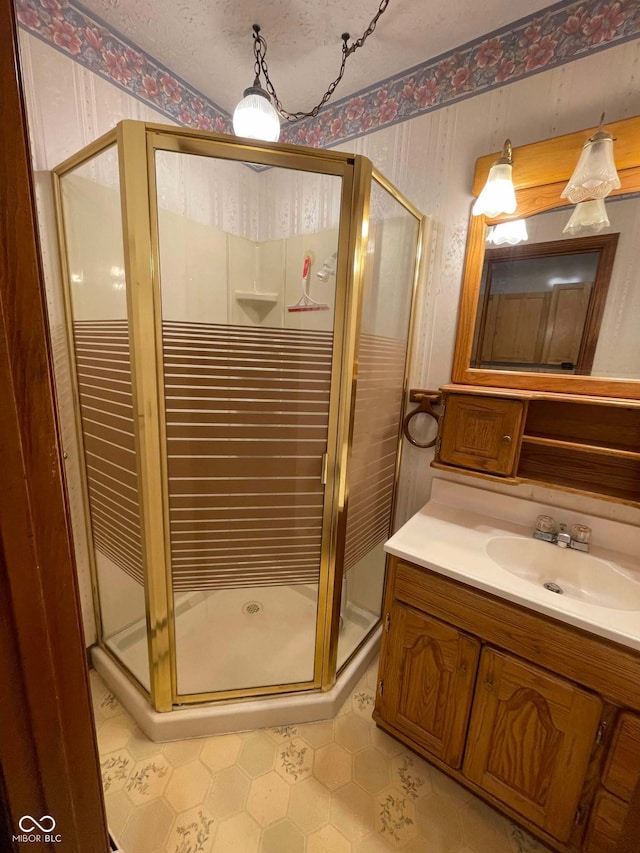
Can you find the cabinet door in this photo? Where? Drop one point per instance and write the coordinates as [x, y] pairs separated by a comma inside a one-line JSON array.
[[622, 771], [482, 433], [530, 740], [428, 676], [606, 824]]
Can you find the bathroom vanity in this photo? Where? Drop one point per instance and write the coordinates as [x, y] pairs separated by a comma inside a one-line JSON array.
[[512, 664], [528, 698]]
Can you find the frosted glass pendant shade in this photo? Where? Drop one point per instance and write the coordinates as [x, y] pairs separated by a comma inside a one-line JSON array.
[[255, 116], [595, 175], [508, 232], [498, 195], [588, 216]]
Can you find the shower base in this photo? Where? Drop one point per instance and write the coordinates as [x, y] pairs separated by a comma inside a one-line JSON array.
[[274, 636], [273, 630]]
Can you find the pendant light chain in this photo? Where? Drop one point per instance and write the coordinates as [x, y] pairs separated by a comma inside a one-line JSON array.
[[260, 53]]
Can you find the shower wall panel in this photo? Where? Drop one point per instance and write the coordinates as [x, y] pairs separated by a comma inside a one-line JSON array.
[[247, 419]]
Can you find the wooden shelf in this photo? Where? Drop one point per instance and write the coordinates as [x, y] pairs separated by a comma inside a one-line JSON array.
[[610, 474], [561, 397], [601, 450], [496, 478], [575, 443]]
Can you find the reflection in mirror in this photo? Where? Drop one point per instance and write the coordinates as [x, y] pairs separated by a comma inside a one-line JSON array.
[[560, 303], [535, 299]]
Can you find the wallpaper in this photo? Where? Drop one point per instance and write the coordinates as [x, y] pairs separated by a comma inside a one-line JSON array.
[[560, 34]]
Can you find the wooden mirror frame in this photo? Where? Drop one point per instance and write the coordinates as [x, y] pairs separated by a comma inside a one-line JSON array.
[[540, 173]]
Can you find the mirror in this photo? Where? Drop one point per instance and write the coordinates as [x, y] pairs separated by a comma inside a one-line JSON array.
[[547, 304], [556, 312]]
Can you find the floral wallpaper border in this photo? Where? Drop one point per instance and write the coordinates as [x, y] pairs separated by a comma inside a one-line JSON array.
[[556, 35], [89, 40]]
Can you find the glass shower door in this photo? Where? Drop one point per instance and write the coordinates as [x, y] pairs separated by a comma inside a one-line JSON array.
[[99, 318], [382, 345], [247, 334]]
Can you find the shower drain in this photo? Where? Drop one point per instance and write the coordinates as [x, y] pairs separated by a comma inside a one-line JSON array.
[[252, 607]]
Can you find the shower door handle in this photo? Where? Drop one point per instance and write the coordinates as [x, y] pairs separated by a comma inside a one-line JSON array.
[[325, 467]]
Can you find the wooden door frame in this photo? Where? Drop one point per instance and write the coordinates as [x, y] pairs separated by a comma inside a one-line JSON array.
[[49, 761]]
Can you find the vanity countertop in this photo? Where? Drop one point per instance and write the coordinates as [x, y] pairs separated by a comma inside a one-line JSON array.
[[452, 533]]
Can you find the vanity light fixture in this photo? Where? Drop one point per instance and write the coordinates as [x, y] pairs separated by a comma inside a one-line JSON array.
[[498, 195], [256, 115], [511, 233], [595, 174], [588, 216]]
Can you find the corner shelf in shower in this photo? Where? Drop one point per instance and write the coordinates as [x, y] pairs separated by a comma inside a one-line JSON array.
[[255, 296]]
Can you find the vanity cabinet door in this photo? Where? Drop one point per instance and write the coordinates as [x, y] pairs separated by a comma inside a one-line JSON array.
[[481, 433], [530, 740], [622, 771], [428, 676], [606, 824]]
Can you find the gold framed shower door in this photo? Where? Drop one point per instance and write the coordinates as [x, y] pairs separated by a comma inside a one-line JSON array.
[[137, 144]]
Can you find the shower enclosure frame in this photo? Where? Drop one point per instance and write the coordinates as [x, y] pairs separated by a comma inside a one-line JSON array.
[[136, 143]]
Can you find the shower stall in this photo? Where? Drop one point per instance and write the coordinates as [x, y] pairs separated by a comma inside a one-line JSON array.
[[238, 320]]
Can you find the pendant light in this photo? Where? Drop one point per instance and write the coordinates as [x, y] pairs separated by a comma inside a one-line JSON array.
[[595, 174], [257, 114], [588, 216], [498, 195]]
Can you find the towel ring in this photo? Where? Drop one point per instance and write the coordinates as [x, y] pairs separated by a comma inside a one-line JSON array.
[[426, 400]]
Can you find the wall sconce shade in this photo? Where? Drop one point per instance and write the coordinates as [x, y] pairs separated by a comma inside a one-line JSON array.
[[511, 233], [595, 174], [255, 116], [590, 216], [498, 195]]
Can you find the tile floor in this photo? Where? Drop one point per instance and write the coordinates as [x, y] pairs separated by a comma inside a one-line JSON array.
[[341, 786]]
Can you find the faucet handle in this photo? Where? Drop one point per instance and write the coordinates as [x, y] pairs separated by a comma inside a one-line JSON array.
[[580, 535], [545, 528], [545, 524]]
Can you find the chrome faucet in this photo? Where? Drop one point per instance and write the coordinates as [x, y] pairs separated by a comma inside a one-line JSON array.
[[563, 537], [577, 537]]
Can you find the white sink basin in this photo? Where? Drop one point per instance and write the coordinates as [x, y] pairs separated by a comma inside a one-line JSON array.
[[578, 575]]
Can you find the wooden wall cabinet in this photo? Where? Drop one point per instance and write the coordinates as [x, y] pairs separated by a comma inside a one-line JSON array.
[[589, 445], [482, 433], [475, 685]]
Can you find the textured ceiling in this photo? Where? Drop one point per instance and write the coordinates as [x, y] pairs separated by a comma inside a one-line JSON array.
[[208, 42]]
